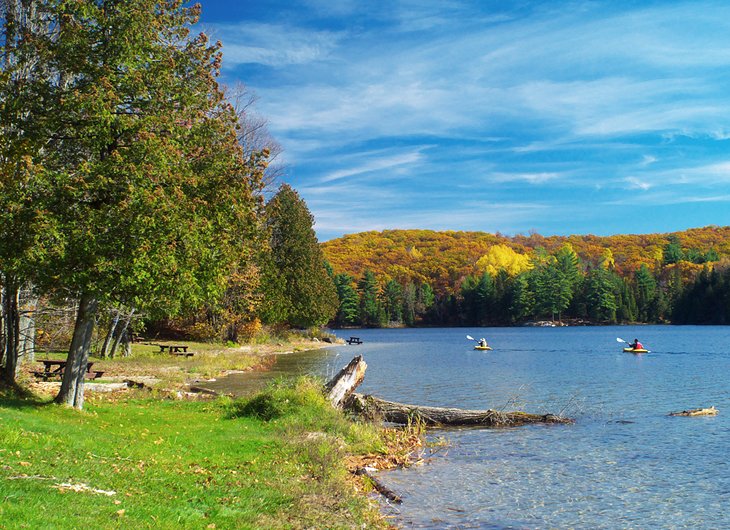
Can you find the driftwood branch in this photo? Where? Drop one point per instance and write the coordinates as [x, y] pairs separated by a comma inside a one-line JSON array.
[[373, 407], [381, 488], [712, 411]]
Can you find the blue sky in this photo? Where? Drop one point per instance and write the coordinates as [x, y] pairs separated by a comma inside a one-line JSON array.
[[578, 117]]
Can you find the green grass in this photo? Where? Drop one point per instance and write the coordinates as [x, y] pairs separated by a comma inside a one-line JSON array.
[[173, 464]]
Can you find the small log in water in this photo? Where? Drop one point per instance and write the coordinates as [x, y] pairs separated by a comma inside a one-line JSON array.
[[401, 413], [712, 411]]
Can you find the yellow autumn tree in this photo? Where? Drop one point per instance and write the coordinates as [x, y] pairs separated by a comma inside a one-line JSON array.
[[501, 257], [607, 261]]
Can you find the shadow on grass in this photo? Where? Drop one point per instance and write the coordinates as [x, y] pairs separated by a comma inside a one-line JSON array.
[[17, 397]]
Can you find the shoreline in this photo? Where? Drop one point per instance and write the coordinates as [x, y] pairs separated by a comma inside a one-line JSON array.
[[397, 447]]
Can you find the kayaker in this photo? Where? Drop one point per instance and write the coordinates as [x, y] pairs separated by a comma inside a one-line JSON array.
[[483, 342], [636, 345]]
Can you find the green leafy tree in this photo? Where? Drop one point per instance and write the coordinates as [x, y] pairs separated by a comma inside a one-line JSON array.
[[148, 201], [302, 283]]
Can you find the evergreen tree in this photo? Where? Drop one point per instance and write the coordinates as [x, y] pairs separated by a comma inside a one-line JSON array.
[[521, 298], [426, 303], [308, 292], [392, 302], [409, 304], [348, 312], [370, 311], [552, 289], [645, 288], [600, 295], [672, 251]]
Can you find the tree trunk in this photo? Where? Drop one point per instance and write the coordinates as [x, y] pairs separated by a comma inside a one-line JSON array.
[[126, 343], [401, 413], [11, 330], [27, 327], [109, 335], [122, 332], [72, 385]]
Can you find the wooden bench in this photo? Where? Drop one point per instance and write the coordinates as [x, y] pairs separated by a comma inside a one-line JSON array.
[[354, 340], [182, 354]]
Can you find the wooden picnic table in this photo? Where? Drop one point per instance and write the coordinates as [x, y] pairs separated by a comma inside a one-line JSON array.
[[56, 367], [174, 348]]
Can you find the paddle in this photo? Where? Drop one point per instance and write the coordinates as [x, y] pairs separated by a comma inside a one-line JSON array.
[[470, 337], [621, 340]]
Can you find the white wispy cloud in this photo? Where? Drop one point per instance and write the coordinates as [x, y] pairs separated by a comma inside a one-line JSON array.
[[375, 161], [272, 44], [634, 183], [531, 178]]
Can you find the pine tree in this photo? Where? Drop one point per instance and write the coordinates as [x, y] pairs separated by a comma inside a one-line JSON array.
[[300, 280], [370, 310], [348, 312]]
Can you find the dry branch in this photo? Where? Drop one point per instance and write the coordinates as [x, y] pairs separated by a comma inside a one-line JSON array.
[[712, 411]]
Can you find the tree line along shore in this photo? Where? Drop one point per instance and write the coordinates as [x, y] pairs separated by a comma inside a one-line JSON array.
[[421, 277]]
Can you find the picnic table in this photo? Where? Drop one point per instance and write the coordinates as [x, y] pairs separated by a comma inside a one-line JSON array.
[[56, 367], [354, 340], [176, 349]]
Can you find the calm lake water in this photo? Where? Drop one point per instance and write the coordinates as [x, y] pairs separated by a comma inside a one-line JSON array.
[[624, 464]]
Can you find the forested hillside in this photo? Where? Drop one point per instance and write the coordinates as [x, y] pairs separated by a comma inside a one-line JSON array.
[[479, 278]]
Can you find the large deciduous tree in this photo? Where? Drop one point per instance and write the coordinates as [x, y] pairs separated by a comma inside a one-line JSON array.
[[298, 289], [147, 198]]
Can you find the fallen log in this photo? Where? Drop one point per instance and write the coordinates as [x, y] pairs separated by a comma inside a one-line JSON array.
[[712, 411], [341, 393], [373, 407]]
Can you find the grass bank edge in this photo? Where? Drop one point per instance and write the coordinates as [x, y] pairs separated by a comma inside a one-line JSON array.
[[282, 459]]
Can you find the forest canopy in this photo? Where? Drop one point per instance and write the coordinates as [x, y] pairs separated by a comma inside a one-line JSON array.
[[482, 278]]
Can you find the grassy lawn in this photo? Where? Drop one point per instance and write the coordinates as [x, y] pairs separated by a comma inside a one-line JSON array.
[[274, 461]]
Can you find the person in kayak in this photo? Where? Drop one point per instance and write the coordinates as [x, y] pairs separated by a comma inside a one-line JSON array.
[[636, 345], [483, 342]]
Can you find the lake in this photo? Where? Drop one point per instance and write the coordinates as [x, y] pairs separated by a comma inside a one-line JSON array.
[[624, 464]]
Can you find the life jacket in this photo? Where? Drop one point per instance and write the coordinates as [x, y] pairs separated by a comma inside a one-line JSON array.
[[638, 346]]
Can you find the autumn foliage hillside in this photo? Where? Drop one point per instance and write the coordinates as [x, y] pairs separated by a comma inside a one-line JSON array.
[[442, 259]]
